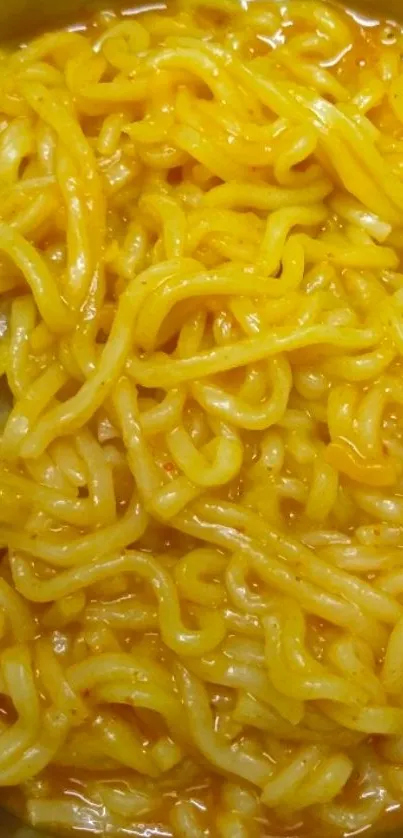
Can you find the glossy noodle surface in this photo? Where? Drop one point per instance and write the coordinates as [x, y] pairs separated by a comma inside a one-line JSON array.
[[201, 453]]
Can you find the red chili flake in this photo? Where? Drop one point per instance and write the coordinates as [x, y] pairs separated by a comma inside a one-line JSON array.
[[169, 467]]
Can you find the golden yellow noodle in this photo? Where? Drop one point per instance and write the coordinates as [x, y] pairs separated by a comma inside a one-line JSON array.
[[201, 452]]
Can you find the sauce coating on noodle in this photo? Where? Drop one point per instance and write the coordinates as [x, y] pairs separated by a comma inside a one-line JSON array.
[[201, 453]]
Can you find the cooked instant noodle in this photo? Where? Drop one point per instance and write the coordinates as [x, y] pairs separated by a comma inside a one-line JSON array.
[[201, 454]]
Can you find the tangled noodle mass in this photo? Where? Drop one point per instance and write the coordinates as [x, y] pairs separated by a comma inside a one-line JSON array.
[[201, 459]]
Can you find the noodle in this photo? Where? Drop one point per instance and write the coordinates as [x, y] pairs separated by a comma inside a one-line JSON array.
[[201, 444]]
